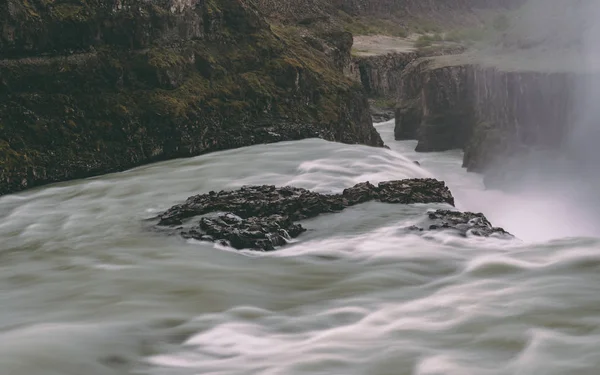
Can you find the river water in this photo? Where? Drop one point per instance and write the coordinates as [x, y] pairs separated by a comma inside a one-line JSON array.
[[87, 289]]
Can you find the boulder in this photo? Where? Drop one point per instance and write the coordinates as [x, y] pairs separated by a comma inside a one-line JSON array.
[[464, 224]]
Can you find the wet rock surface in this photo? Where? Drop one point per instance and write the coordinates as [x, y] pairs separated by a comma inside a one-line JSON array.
[[264, 233], [263, 217], [464, 224], [381, 114]]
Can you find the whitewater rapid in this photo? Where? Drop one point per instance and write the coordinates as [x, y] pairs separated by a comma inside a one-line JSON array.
[[87, 289]]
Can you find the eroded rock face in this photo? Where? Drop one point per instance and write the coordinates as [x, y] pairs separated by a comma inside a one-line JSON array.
[[462, 223], [263, 233], [494, 115], [380, 75], [435, 106], [92, 87], [379, 114], [262, 217]]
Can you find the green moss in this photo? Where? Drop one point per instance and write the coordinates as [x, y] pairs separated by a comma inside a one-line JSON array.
[[212, 8], [164, 58], [258, 83], [9, 158], [384, 102], [67, 11], [467, 35], [358, 52], [368, 25], [423, 25], [30, 9]]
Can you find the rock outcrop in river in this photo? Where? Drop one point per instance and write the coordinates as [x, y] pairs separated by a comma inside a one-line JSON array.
[[99, 86], [263, 217]]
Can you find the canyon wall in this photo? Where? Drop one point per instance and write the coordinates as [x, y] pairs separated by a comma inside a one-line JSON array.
[[523, 106], [89, 87], [381, 75], [518, 112], [494, 114]]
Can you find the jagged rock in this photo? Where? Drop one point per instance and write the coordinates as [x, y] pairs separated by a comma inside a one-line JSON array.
[[262, 217], [414, 191], [462, 223], [264, 233], [360, 193], [261, 201]]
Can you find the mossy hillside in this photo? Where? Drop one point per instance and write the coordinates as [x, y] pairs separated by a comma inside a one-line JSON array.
[[78, 115]]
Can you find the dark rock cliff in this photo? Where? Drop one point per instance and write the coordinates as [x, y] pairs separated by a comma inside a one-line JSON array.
[[493, 114], [384, 75], [93, 86], [517, 105], [517, 112], [523, 107], [381, 75], [435, 106]]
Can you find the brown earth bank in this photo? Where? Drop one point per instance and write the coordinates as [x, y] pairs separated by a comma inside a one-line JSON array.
[[94, 86]]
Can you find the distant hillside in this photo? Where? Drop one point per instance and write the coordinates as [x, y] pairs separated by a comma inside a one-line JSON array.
[[551, 25], [382, 16]]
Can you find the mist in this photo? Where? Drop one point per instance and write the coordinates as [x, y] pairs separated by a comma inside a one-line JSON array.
[[558, 186]]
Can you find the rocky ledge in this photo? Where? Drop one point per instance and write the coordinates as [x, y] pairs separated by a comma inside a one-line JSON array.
[[263, 217], [462, 223]]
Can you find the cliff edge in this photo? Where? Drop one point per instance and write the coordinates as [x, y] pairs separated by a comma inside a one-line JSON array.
[[94, 86]]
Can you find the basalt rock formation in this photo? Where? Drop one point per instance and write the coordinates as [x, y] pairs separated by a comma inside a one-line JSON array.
[[462, 223], [263, 217], [514, 103], [491, 113], [89, 87], [435, 106]]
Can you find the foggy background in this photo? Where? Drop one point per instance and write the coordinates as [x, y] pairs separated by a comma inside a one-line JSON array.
[[561, 183]]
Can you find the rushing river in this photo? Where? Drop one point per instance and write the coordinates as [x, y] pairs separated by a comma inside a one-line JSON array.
[[87, 289]]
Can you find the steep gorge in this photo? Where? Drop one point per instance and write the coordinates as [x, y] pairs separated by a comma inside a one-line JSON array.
[[513, 107], [488, 111]]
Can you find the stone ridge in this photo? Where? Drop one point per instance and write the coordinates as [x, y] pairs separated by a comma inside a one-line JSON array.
[[262, 217], [300, 204]]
